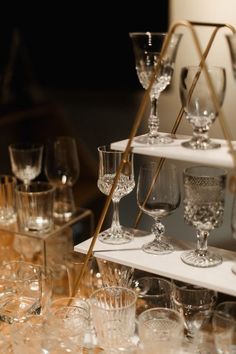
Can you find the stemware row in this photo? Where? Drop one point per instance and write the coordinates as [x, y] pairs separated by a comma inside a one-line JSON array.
[[159, 195], [196, 96]]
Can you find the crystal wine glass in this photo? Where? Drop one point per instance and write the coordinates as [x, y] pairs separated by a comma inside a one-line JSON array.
[[109, 161], [26, 160], [62, 170], [147, 48], [204, 193], [199, 107], [158, 195]]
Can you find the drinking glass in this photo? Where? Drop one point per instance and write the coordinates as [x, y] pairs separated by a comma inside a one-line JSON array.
[[224, 327], [35, 207], [109, 161], [152, 292], [26, 160], [115, 274], [113, 313], [161, 328], [21, 291], [158, 195], [194, 303], [147, 48], [62, 170], [200, 110], [204, 189]]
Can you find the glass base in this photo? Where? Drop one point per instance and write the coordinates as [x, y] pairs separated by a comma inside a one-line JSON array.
[[159, 140], [197, 144], [63, 211], [158, 247], [117, 238], [195, 259]]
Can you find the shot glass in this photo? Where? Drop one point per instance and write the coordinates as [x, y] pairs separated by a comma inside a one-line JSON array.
[[115, 274], [152, 292], [224, 327], [34, 204], [113, 314], [21, 291], [194, 303], [7, 199], [161, 328]]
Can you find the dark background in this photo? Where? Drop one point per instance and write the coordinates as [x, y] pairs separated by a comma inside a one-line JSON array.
[[68, 69], [75, 46]]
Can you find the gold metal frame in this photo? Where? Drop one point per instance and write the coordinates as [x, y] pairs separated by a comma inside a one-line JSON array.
[[140, 113]]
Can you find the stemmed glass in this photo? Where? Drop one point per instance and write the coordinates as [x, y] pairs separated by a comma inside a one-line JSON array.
[[147, 48], [62, 170], [158, 195], [26, 160], [199, 107], [204, 192], [109, 161]]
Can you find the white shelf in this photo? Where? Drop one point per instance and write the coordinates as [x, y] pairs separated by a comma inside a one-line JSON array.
[[219, 278], [216, 157]]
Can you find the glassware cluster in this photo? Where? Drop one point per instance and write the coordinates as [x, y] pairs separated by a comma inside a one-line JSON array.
[[169, 314]]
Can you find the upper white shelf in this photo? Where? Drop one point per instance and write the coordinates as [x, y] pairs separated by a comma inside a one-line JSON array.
[[216, 157], [219, 278]]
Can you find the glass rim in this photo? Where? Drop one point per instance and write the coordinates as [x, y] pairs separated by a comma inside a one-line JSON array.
[[161, 310], [107, 149], [147, 33], [178, 284], [49, 187], [104, 289], [35, 270], [26, 146], [219, 172], [140, 33]]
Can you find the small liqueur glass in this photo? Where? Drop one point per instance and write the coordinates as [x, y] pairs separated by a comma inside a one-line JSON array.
[[204, 195]]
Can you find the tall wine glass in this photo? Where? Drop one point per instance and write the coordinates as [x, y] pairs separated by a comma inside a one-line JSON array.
[[26, 160], [158, 196], [109, 161], [62, 170], [199, 107], [204, 192], [147, 47]]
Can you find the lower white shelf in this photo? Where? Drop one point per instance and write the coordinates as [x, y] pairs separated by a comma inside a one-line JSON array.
[[219, 278]]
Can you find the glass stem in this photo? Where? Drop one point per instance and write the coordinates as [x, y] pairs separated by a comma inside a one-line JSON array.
[[158, 230], [115, 224], [202, 236], [201, 134], [154, 120]]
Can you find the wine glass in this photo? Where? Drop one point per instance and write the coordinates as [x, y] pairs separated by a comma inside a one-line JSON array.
[[158, 195], [109, 161], [147, 48], [62, 170], [204, 192], [199, 107], [26, 160]]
